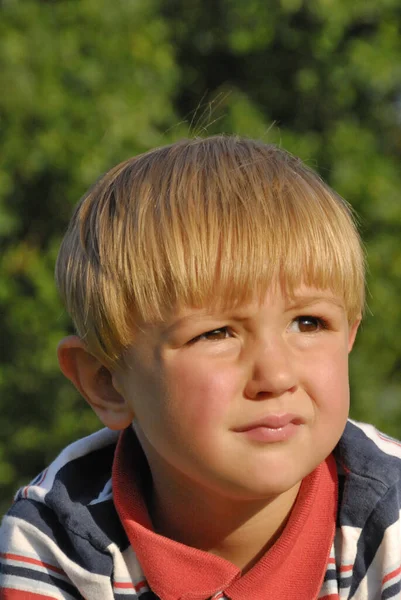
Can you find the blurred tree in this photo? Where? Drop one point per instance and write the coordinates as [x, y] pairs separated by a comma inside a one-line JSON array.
[[322, 78], [86, 84]]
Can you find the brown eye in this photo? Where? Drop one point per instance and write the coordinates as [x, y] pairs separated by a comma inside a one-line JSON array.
[[307, 324], [215, 334]]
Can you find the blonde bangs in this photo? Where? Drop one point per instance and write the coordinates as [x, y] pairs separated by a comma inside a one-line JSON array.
[[202, 222]]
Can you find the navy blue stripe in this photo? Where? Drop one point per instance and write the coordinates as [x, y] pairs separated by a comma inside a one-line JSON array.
[[34, 575], [106, 520], [330, 575], [81, 550], [369, 473], [392, 591], [344, 582], [86, 476]]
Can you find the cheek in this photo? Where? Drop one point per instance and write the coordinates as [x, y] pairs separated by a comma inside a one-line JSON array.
[[202, 391], [331, 386]]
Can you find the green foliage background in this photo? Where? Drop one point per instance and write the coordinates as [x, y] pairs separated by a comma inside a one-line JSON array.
[[88, 83]]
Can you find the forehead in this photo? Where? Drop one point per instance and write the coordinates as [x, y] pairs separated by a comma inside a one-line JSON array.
[[303, 296]]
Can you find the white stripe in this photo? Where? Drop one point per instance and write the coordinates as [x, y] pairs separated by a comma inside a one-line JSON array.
[[328, 587], [36, 587], [21, 537], [389, 550], [105, 494], [33, 567], [129, 592]]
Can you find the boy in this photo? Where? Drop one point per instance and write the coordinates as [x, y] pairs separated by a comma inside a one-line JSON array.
[[216, 287]]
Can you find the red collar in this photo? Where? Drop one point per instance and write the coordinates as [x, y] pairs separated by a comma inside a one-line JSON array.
[[293, 568]]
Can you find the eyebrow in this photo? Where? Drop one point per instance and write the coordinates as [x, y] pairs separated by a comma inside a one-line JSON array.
[[304, 301], [167, 329]]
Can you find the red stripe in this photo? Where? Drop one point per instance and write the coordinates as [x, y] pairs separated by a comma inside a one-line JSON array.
[[142, 584], [21, 595], [386, 439], [346, 568], [332, 561], [41, 480], [126, 585], [329, 597], [391, 575], [121, 585], [32, 561]]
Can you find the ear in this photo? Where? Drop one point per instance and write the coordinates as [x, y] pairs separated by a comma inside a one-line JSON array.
[[353, 330], [94, 382]]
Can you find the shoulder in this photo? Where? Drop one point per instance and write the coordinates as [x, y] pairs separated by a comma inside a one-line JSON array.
[[368, 547], [366, 453], [64, 522], [369, 476], [81, 469], [71, 500]]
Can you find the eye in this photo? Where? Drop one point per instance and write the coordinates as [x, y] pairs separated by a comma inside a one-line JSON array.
[[308, 324], [214, 335]]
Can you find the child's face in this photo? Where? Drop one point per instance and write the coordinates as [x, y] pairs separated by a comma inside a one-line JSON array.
[[246, 402]]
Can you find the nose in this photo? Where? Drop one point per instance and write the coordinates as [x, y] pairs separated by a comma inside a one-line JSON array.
[[273, 370]]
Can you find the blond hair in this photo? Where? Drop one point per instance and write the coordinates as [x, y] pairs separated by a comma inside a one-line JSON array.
[[201, 221]]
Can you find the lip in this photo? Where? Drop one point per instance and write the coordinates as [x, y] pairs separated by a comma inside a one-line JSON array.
[[272, 421], [272, 428]]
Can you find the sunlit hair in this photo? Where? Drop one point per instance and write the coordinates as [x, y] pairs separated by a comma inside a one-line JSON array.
[[199, 222]]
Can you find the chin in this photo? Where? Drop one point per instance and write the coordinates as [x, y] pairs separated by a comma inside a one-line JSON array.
[[257, 489]]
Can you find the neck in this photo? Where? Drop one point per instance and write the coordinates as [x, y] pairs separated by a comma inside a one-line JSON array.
[[240, 531]]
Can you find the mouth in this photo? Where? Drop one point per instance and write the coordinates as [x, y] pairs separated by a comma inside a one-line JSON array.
[[272, 428]]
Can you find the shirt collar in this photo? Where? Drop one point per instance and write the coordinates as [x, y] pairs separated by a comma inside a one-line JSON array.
[[293, 567]]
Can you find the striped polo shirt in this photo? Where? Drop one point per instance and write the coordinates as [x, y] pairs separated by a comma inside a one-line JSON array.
[[76, 532]]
